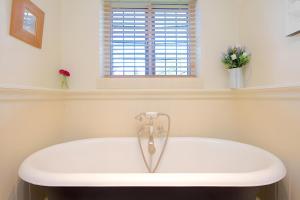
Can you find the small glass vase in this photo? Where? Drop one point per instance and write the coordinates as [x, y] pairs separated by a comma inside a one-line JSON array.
[[64, 83], [236, 78]]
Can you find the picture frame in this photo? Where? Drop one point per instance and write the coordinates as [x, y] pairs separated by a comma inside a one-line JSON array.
[[27, 22], [293, 17]]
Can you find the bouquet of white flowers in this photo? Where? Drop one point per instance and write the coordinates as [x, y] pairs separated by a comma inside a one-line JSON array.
[[236, 57]]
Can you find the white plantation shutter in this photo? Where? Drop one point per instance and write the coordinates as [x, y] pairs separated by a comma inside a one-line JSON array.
[[149, 39]]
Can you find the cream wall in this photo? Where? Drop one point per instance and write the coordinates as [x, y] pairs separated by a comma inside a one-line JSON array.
[[29, 121], [22, 64], [81, 42], [275, 59], [112, 114]]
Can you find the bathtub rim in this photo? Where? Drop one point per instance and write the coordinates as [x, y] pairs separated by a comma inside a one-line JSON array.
[[267, 176]]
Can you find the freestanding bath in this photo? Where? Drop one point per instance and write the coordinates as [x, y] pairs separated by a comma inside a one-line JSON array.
[[198, 166]]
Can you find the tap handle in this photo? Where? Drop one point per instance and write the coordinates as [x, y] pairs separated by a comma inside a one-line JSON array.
[[149, 118]]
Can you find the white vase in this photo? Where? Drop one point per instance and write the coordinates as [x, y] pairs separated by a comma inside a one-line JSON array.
[[236, 79]]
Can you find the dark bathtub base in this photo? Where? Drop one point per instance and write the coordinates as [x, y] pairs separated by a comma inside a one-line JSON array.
[[154, 193]]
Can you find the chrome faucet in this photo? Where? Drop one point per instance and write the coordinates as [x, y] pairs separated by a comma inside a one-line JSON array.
[[150, 129]]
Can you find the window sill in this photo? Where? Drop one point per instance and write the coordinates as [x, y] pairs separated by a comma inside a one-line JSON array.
[[149, 77]]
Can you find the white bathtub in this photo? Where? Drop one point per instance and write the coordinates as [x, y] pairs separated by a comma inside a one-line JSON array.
[[117, 162]]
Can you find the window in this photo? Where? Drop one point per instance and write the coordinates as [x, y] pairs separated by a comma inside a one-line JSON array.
[[149, 40]]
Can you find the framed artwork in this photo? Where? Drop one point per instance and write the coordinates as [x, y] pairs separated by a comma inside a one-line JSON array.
[[27, 22], [293, 17]]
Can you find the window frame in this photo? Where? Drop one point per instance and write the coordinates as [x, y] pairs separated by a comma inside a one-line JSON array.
[[150, 66]]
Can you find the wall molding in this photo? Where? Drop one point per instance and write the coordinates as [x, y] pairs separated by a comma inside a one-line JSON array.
[[31, 94], [265, 93]]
